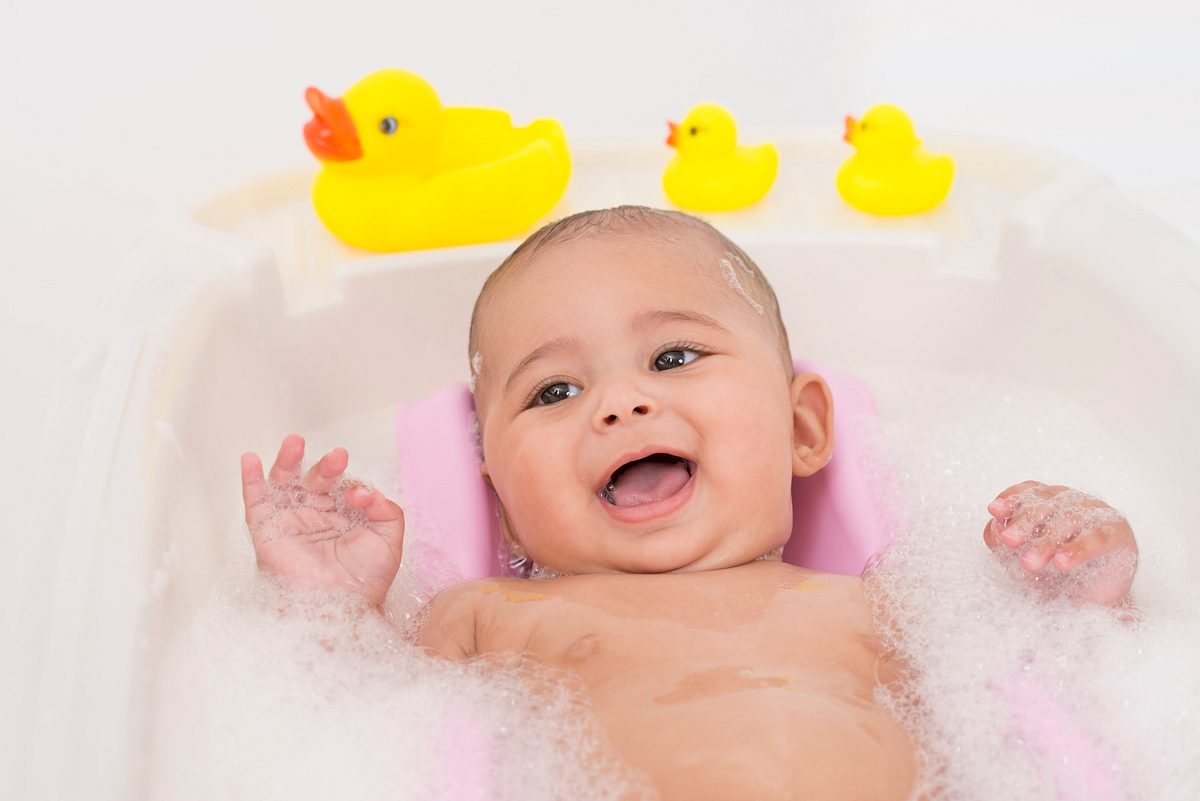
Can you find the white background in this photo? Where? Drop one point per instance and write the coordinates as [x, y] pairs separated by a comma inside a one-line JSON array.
[[114, 111]]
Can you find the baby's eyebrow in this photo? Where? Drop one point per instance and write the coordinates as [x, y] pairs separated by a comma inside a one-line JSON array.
[[553, 346], [654, 317], [644, 319]]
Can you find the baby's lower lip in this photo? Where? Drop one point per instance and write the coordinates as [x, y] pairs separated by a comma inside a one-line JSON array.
[[655, 509]]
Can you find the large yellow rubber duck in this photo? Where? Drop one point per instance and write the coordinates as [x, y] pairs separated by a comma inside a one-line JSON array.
[[890, 173], [400, 172], [711, 171]]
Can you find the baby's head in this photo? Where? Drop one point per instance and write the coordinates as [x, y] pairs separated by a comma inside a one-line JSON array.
[[636, 399]]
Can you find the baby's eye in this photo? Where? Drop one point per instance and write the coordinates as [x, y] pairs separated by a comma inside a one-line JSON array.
[[674, 358], [557, 392]]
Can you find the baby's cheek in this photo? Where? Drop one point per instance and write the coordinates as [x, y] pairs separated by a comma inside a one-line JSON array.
[[756, 461], [542, 498]]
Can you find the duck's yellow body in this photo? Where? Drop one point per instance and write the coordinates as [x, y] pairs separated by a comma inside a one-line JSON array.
[[890, 173], [711, 172], [401, 172]]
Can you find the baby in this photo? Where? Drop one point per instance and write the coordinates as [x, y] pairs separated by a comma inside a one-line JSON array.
[[641, 425]]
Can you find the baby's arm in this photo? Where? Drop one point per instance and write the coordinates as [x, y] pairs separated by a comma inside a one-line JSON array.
[[1081, 535]]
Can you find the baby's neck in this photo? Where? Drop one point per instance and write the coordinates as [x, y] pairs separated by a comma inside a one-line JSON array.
[[536, 571]]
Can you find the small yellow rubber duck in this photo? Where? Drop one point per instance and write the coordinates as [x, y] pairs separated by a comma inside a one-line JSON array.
[[890, 173], [400, 172], [711, 171]]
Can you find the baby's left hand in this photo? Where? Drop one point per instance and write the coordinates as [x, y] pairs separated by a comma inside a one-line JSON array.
[[1087, 542]]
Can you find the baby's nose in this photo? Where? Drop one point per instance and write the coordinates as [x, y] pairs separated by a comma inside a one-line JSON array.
[[623, 407]]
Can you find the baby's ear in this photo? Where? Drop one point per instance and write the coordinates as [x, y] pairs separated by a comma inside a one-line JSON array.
[[812, 424], [510, 540]]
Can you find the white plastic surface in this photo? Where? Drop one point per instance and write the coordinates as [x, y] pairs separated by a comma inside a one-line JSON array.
[[248, 321]]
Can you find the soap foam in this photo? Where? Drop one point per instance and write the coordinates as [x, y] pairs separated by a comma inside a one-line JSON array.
[[476, 370], [735, 284], [281, 693], [1013, 691], [313, 696]]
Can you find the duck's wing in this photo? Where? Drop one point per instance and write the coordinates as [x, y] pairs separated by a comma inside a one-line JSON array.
[[474, 136], [762, 160], [503, 197]]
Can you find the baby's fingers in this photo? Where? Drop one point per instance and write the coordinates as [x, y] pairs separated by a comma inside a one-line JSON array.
[[287, 462], [323, 476], [1097, 542], [1021, 525], [1009, 501], [1037, 556], [254, 487], [386, 518]]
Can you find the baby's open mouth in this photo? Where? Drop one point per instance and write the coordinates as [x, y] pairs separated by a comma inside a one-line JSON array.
[[646, 480]]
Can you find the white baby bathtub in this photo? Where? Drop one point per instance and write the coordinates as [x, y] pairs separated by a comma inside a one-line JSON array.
[[244, 320]]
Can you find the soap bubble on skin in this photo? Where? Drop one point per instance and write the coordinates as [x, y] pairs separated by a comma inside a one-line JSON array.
[[1057, 521], [742, 263], [731, 278], [326, 516], [476, 369], [1014, 690]]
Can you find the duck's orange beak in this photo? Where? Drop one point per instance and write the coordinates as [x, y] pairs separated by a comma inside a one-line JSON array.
[[671, 138], [330, 134], [850, 125]]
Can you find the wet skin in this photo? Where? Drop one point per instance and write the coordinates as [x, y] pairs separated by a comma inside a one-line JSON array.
[[754, 682]]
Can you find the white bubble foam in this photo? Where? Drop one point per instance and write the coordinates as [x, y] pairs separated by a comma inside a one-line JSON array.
[[278, 693], [312, 696], [731, 278], [476, 369], [1014, 692]]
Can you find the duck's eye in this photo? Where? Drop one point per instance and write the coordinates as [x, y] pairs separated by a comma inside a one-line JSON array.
[[388, 125], [556, 393], [693, 130], [862, 127], [671, 359]]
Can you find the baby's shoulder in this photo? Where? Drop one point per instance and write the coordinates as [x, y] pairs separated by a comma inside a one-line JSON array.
[[452, 618], [488, 615], [469, 597]]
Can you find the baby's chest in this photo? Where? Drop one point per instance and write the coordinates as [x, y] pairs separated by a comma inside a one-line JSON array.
[[694, 692], [782, 645]]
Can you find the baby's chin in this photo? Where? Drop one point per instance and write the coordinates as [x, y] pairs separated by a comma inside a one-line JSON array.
[[650, 561]]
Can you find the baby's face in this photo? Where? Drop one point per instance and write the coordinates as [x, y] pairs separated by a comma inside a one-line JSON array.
[[636, 413]]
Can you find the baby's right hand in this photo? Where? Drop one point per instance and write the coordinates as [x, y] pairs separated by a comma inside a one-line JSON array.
[[321, 531]]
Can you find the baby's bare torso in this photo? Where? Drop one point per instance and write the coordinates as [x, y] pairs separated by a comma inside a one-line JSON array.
[[755, 682]]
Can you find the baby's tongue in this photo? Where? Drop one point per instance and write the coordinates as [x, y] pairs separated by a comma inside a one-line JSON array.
[[649, 480]]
